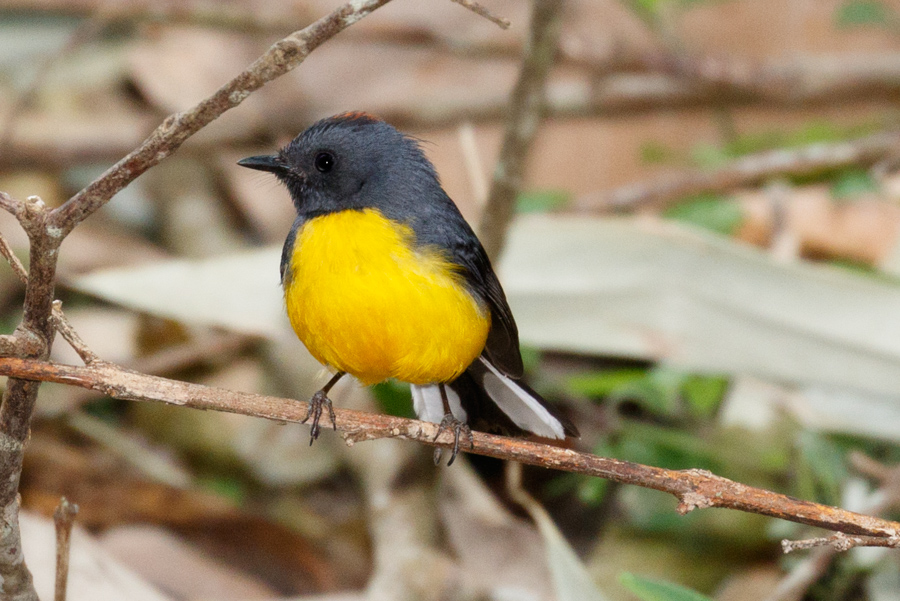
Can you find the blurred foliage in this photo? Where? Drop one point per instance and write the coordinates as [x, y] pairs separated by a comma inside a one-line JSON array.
[[541, 201], [648, 589], [653, 11], [821, 468], [230, 487], [394, 398], [816, 131], [854, 13], [851, 183], [713, 212], [656, 415], [659, 391]]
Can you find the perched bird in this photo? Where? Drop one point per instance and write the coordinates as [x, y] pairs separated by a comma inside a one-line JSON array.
[[383, 278]]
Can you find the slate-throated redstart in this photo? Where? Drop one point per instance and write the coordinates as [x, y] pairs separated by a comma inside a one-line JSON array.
[[383, 278]]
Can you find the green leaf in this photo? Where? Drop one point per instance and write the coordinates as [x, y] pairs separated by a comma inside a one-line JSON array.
[[531, 357], [826, 465], [592, 491], [646, 9], [394, 398], [659, 392], [709, 211], [654, 153], [541, 201], [666, 447], [230, 488], [602, 383], [853, 182], [710, 156], [704, 393], [648, 589], [862, 12]]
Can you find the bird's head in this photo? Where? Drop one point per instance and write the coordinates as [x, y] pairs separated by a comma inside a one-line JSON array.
[[349, 161]]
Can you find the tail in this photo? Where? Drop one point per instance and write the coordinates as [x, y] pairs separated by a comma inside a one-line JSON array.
[[489, 401]]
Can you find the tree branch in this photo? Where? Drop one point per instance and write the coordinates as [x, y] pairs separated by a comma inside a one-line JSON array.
[[751, 169], [47, 229], [525, 111], [694, 489], [281, 57], [840, 542]]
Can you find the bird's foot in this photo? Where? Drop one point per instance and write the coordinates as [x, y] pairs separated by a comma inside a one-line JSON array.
[[319, 401], [459, 428]]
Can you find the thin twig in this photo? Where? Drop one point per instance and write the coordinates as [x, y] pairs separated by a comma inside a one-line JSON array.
[[11, 345], [47, 229], [62, 325], [11, 258], [841, 542], [11, 205], [280, 58], [64, 519], [695, 489], [524, 115], [480, 10], [804, 574], [745, 171]]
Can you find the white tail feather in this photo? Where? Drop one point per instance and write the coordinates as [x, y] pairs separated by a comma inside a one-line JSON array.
[[429, 406], [523, 409]]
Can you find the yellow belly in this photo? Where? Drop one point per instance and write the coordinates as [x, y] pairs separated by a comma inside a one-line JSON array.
[[365, 302]]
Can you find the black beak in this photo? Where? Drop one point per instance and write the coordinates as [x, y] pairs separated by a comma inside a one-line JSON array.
[[268, 162]]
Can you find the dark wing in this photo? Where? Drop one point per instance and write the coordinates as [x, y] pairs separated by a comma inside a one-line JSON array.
[[502, 348], [438, 223]]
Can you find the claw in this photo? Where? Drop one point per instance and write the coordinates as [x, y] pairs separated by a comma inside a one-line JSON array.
[[316, 404], [459, 427]]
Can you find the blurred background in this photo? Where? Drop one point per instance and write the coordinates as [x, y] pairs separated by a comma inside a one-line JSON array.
[[704, 268]]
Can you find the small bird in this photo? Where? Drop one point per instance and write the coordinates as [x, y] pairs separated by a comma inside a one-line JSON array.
[[383, 278]]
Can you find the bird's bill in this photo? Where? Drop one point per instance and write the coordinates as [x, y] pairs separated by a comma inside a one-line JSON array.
[[266, 162]]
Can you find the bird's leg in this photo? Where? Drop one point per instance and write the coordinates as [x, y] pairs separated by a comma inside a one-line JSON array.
[[448, 422], [316, 403]]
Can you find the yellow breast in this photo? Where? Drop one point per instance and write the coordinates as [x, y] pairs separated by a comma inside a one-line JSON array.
[[364, 301]]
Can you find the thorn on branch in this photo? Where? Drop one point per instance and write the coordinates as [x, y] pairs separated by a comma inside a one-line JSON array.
[[30, 213], [690, 501]]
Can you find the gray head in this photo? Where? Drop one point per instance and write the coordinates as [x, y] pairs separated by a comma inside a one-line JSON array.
[[353, 161]]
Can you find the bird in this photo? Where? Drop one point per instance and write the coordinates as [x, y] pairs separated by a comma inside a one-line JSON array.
[[383, 278]]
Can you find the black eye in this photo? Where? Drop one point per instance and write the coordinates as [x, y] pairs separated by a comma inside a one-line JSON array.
[[324, 162]]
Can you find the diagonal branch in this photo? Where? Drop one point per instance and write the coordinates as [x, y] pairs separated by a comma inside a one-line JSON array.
[[695, 489], [281, 57], [748, 170]]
